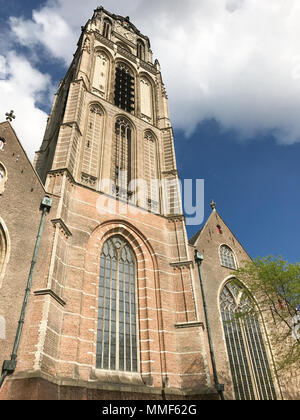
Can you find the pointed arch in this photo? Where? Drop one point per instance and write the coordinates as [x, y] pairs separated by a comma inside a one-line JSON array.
[[151, 171], [125, 86], [4, 250], [107, 26], [117, 344], [102, 72], [246, 348], [141, 49], [147, 281], [122, 155], [227, 257], [146, 98], [3, 177], [92, 144]]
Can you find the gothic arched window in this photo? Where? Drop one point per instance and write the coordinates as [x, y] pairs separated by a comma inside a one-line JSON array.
[[248, 360], [3, 252], [101, 74], [124, 88], [141, 50], [121, 165], [227, 257], [3, 178], [117, 343], [151, 172], [92, 145], [106, 28], [2, 143], [146, 94]]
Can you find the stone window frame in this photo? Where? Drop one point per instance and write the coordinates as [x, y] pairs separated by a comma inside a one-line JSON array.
[[135, 366], [147, 268], [123, 156], [3, 180], [141, 49], [151, 165], [125, 67], [249, 386], [107, 28], [4, 250], [223, 262], [2, 143]]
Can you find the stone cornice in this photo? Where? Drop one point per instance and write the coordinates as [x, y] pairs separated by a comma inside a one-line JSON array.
[[49, 292], [71, 124], [63, 226], [62, 171], [189, 325], [176, 218], [182, 264], [171, 172]]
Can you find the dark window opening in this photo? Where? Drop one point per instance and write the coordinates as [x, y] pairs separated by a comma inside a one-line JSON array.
[[106, 28], [141, 50], [124, 89]]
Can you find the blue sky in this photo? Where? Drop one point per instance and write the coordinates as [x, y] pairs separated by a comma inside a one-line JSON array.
[[237, 128]]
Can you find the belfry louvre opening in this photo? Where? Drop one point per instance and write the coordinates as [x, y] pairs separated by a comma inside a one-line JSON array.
[[124, 89]]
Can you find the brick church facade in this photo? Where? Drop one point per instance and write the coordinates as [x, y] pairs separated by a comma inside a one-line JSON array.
[[115, 307]]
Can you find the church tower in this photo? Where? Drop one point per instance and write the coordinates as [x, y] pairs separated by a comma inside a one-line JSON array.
[[110, 119], [116, 310]]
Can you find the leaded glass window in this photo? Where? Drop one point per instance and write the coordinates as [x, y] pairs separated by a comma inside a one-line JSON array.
[[117, 317], [227, 257], [248, 360]]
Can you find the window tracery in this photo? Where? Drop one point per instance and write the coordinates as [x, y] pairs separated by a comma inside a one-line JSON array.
[[117, 340], [248, 360], [227, 257]]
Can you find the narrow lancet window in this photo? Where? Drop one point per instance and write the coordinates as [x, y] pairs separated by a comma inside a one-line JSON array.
[[106, 28], [141, 50], [151, 173]]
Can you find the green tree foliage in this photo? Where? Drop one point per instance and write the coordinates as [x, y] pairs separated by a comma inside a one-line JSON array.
[[275, 284]]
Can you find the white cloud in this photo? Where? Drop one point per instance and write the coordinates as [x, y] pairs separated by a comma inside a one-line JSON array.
[[3, 69], [237, 61], [46, 28], [20, 89]]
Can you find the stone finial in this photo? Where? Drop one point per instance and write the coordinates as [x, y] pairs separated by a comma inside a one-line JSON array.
[[10, 116], [213, 205]]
